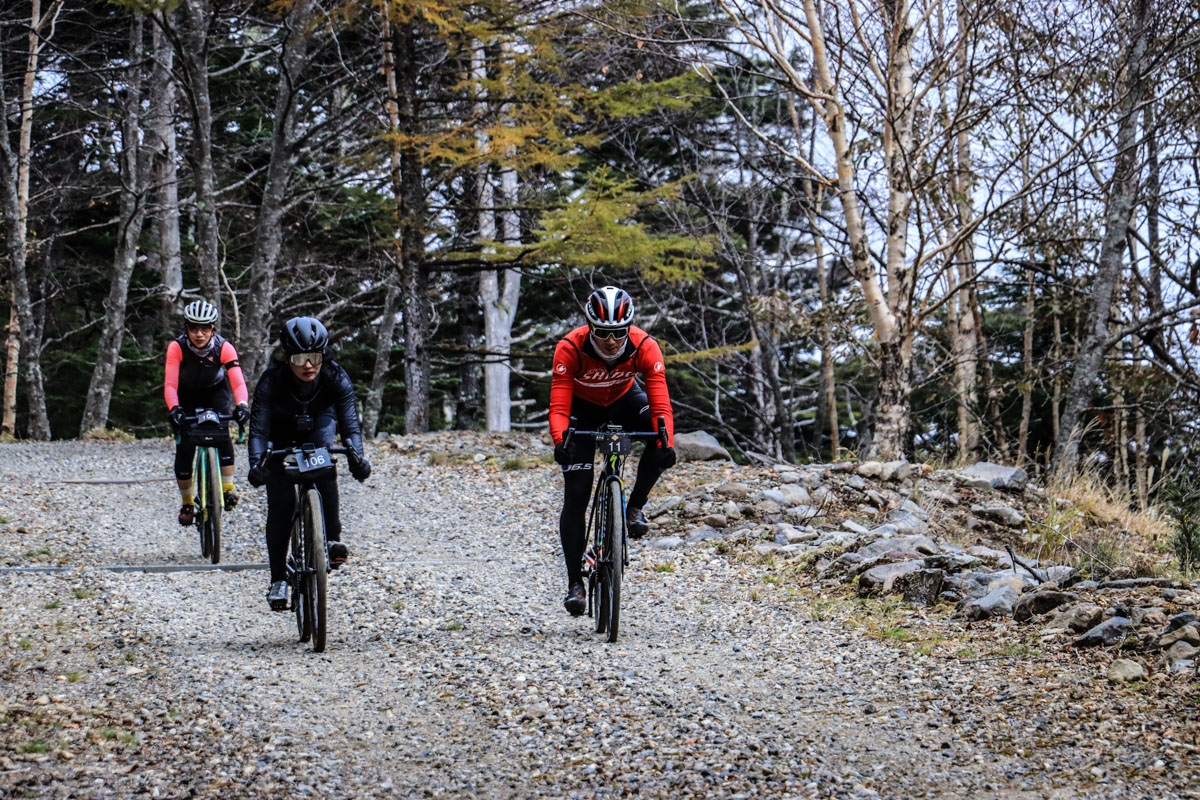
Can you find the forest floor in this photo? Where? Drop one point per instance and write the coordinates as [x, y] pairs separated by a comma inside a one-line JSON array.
[[452, 670]]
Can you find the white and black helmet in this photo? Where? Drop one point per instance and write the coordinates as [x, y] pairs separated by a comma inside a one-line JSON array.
[[609, 307], [201, 312]]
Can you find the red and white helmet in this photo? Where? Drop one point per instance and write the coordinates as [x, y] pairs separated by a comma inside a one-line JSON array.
[[609, 307]]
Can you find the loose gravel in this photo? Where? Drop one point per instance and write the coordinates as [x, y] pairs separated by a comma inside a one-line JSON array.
[[452, 670]]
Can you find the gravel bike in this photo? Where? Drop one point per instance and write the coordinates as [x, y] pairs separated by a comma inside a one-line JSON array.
[[308, 555], [205, 429], [605, 561]]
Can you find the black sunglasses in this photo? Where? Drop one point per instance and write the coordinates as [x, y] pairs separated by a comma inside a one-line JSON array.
[[196, 327], [612, 334]]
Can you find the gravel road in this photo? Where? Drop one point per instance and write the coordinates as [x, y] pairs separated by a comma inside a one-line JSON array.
[[453, 672]]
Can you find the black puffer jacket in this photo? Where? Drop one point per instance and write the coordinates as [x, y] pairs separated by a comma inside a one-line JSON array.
[[288, 412]]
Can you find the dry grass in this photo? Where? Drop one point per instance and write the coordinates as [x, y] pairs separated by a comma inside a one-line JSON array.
[[108, 435], [1100, 522]]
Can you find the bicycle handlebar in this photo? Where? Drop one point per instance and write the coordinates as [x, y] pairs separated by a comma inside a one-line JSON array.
[[194, 419], [660, 434], [287, 451]]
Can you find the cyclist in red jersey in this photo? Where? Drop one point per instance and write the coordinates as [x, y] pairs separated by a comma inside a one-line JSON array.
[[198, 362], [594, 380]]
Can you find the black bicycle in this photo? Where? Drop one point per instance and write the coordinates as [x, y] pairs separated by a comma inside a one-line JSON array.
[[308, 557], [205, 429], [606, 559]]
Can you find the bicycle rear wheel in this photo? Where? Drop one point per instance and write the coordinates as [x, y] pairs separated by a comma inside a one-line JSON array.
[[616, 558], [199, 482], [215, 504], [299, 582], [317, 561]]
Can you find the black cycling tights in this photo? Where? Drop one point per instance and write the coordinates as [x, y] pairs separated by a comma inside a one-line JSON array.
[[632, 411], [281, 501]]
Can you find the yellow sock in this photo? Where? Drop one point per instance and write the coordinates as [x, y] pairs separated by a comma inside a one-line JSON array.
[[226, 485], [188, 499]]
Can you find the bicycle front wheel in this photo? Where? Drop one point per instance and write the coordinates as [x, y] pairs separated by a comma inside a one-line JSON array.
[[299, 582], [616, 557], [316, 560], [200, 484], [215, 504]]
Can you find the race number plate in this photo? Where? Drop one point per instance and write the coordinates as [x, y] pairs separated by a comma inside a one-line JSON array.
[[317, 459], [207, 416]]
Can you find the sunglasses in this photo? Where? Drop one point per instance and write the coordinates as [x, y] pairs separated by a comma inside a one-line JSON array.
[[300, 359], [197, 327], [612, 334]]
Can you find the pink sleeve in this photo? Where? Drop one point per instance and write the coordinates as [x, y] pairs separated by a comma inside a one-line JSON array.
[[236, 379], [171, 382]]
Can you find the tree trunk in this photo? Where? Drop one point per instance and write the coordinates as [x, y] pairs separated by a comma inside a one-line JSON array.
[[414, 274], [383, 352], [164, 170], [1119, 209], [12, 363], [1027, 371], [193, 53], [14, 175], [890, 440], [268, 228], [966, 351], [469, 399], [133, 211]]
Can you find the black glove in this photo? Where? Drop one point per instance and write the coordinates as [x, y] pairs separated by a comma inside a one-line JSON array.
[[564, 452], [241, 414], [258, 475], [666, 457], [176, 414], [360, 468]]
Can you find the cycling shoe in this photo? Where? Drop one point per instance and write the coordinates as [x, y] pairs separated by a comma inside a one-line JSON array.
[[277, 596], [636, 523], [231, 499], [187, 514], [576, 600], [338, 553]]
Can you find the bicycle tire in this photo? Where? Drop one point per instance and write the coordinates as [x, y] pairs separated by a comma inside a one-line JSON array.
[[316, 560], [599, 503], [199, 474], [299, 583], [616, 548], [216, 504]]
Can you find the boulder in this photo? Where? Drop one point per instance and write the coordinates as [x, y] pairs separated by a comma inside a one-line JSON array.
[[993, 558], [666, 543], [731, 510], [896, 471], [789, 477], [1111, 631], [1181, 650], [921, 588], [998, 512], [919, 544], [703, 534], [1124, 670], [1187, 633], [802, 513], [870, 469], [734, 490], [699, 446], [1041, 602], [907, 522], [945, 498], [716, 521], [998, 602], [788, 534], [952, 562], [997, 476], [1078, 618], [881, 577], [793, 494]]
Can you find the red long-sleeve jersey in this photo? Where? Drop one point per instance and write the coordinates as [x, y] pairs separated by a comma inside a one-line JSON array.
[[579, 372]]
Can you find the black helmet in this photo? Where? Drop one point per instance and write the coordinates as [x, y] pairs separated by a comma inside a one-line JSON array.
[[303, 335]]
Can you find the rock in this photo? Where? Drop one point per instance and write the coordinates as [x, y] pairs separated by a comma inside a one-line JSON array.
[[918, 544], [766, 508], [998, 476], [996, 603], [1003, 514], [952, 562], [765, 548], [1150, 617], [703, 534], [1037, 603], [1017, 582], [993, 558], [907, 522], [666, 543], [1136, 583], [788, 534], [1110, 632], [1064, 576], [1181, 650], [1179, 620], [921, 587], [734, 490], [1078, 618], [880, 578], [716, 521], [803, 514], [1187, 633], [875, 497], [854, 527], [794, 495], [896, 471], [692, 509], [774, 495], [731, 510], [870, 469], [856, 482], [789, 477], [945, 498], [699, 446], [969, 585], [1124, 670]]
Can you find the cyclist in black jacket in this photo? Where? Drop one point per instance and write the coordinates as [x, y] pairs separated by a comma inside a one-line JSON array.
[[302, 399]]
